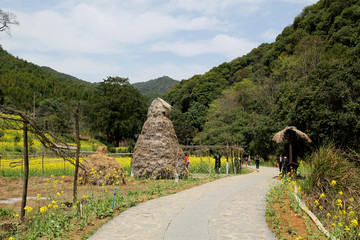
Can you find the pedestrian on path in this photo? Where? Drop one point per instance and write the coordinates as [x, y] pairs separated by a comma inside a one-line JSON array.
[[257, 161], [249, 160], [217, 162], [280, 162], [187, 161]]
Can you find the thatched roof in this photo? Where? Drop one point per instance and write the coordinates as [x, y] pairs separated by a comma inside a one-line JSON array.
[[281, 136]]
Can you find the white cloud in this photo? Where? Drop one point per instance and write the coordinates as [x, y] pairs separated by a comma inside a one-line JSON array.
[[220, 44], [301, 1], [270, 35], [175, 71]]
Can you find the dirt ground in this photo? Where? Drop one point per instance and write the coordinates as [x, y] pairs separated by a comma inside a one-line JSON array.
[[291, 225]]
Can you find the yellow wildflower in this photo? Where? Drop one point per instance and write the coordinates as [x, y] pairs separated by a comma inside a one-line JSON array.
[[58, 193], [322, 195], [28, 209], [316, 202], [10, 238], [328, 215], [347, 228], [341, 193], [38, 196], [56, 206], [333, 183], [354, 222], [43, 209], [339, 202], [74, 207], [351, 199]]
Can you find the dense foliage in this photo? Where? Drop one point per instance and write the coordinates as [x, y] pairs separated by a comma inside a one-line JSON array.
[[156, 87], [309, 77], [20, 80], [118, 110]]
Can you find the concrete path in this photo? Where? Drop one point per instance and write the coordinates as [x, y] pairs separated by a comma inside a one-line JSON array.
[[228, 208]]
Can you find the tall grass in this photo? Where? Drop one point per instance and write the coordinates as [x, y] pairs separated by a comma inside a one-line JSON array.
[[332, 192]]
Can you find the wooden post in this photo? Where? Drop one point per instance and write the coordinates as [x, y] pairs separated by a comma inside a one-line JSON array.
[[26, 171], [77, 132]]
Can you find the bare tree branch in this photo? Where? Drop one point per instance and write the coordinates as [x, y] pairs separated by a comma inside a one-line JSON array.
[[7, 19]]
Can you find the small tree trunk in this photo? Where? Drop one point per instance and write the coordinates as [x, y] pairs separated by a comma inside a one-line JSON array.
[[26, 172], [77, 132]]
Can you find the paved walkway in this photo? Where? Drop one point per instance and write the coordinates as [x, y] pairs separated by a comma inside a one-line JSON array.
[[228, 208]]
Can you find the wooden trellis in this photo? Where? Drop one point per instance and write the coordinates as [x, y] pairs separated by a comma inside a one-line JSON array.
[[16, 120]]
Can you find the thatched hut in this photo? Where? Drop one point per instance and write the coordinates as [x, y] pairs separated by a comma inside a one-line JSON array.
[[157, 153], [99, 169], [291, 134]]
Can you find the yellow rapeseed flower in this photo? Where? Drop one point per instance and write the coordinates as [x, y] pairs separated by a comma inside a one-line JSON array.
[[354, 222], [56, 206], [347, 228], [58, 193], [316, 202], [28, 209], [339, 202], [341, 193], [333, 183], [38, 196], [43, 209], [351, 199], [10, 238], [74, 207], [322, 195], [328, 215]]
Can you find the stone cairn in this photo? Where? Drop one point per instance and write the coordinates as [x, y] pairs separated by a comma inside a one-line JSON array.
[[157, 152], [99, 169]]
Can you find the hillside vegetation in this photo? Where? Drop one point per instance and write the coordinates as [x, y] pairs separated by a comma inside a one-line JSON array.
[[156, 87], [309, 77]]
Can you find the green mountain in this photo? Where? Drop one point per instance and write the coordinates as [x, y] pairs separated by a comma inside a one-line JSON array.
[[21, 80], [156, 87], [308, 78]]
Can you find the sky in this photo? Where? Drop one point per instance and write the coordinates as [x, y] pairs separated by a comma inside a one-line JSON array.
[[142, 39]]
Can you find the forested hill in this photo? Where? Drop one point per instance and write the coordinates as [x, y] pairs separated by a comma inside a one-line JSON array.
[[309, 78], [159, 85], [156, 87], [20, 80]]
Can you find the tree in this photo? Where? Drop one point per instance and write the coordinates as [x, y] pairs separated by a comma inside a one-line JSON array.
[[118, 110], [7, 19]]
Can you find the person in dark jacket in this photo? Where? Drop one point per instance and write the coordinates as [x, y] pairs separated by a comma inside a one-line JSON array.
[[217, 162], [257, 161], [286, 165], [280, 162]]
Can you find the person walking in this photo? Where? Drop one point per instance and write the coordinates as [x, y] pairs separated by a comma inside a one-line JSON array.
[[280, 162], [187, 161], [257, 161], [249, 160], [217, 162], [286, 165]]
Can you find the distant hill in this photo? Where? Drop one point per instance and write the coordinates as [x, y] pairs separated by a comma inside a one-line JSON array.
[[20, 80], [156, 87]]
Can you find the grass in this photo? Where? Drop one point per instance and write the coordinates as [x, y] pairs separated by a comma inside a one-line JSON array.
[[329, 185], [56, 217]]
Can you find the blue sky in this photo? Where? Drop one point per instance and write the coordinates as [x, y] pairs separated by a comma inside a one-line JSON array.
[[142, 39]]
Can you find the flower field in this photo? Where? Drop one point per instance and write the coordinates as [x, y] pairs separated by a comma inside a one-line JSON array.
[[47, 166]]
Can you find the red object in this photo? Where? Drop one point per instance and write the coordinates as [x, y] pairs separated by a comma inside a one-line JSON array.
[[187, 159], [277, 164]]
